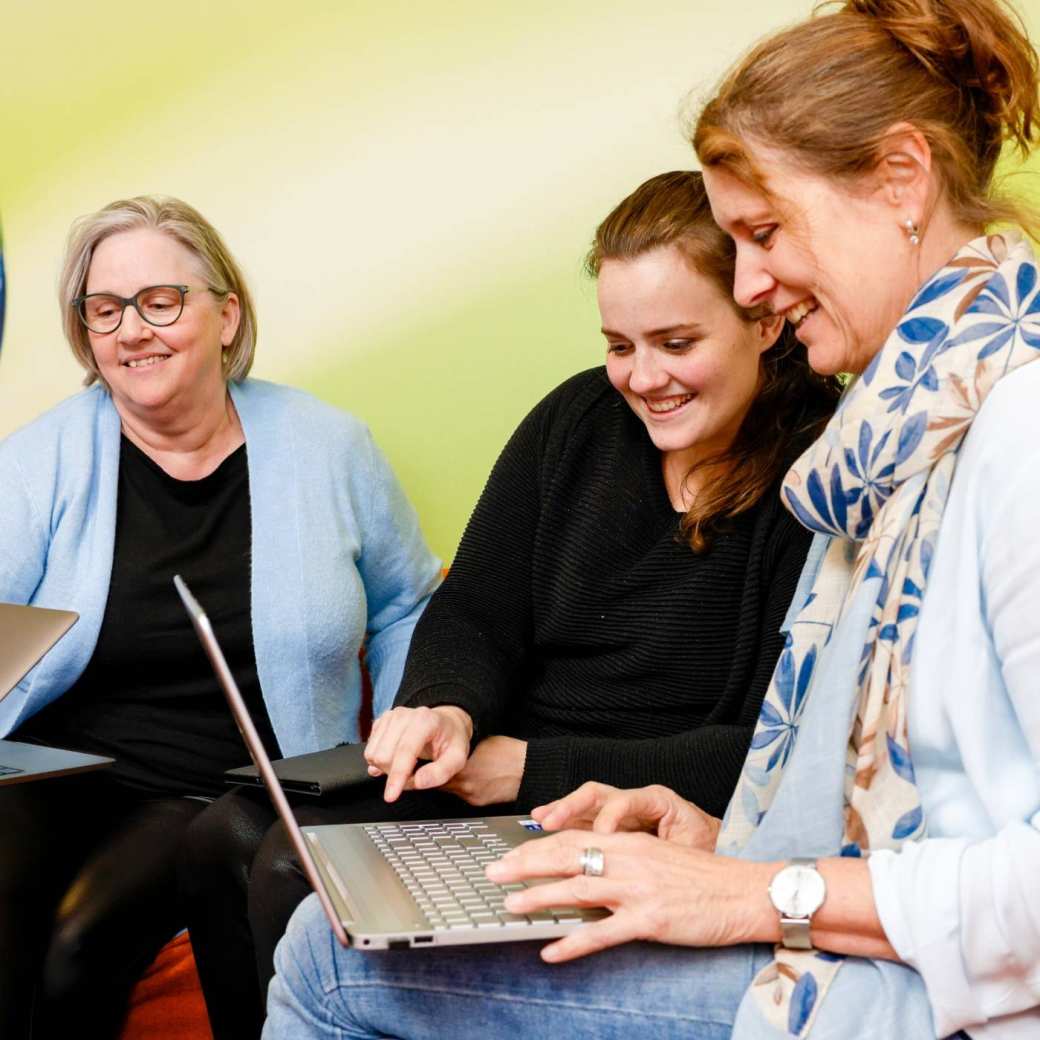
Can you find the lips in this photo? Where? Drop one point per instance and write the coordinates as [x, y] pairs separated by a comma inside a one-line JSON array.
[[664, 405], [800, 311], [146, 361]]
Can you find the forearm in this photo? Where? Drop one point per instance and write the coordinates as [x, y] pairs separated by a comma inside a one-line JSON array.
[[457, 658], [846, 923]]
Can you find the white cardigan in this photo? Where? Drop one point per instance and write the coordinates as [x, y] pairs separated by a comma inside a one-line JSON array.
[[963, 906]]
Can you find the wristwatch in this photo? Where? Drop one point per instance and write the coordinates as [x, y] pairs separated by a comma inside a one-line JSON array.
[[797, 891]]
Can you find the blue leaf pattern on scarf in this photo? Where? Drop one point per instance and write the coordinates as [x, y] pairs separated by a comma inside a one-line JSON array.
[[803, 999], [900, 760], [839, 499], [910, 436], [1026, 281], [937, 287], [921, 330], [819, 499], [908, 823]]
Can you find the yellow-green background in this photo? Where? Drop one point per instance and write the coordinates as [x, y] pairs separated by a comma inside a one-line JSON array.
[[409, 186]]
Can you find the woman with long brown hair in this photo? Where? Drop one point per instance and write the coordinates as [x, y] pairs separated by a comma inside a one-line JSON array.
[[720, 399], [614, 608], [875, 873]]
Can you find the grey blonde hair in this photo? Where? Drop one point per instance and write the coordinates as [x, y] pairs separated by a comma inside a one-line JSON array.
[[185, 225]]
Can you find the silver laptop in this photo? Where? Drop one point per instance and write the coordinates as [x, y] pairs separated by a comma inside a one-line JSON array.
[[26, 634], [399, 885]]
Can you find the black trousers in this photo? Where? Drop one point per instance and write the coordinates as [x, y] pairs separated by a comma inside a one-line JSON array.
[[88, 896], [241, 882]]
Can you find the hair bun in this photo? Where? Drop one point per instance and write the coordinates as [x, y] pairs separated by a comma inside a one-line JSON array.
[[981, 47]]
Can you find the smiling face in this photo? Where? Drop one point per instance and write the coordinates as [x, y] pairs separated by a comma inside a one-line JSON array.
[[158, 373], [836, 263], [679, 353]]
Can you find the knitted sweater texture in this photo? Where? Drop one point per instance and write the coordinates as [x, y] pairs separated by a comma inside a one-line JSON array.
[[575, 617]]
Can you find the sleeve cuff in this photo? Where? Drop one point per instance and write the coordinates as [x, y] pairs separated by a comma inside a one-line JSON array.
[[917, 895], [1001, 919], [450, 693], [546, 773]]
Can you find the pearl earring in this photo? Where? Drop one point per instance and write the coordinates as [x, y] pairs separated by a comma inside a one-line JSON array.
[[913, 231]]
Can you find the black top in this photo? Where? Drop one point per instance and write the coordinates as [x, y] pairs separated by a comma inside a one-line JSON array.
[[149, 697], [576, 618]]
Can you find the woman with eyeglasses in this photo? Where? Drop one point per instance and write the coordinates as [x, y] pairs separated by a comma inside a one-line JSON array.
[[286, 522], [876, 872]]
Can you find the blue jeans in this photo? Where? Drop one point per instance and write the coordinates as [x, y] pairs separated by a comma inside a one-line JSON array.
[[322, 990]]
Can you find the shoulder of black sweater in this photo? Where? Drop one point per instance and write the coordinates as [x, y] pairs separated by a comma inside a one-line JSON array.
[[566, 404], [565, 418]]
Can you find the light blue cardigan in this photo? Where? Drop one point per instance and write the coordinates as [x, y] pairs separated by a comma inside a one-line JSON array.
[[337, 554]]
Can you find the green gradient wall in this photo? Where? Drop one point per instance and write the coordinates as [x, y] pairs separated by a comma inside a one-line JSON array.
[[410, 187]]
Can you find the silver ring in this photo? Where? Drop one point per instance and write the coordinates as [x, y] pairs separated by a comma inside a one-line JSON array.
[[592, 862]]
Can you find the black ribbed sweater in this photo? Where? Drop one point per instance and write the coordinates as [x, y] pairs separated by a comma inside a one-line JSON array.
[[574, 617]]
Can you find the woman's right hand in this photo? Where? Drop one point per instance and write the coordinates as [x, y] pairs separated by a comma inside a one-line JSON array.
[[657, 809], [402, 736]]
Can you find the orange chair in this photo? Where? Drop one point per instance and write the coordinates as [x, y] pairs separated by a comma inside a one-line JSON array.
[[167, 1001]]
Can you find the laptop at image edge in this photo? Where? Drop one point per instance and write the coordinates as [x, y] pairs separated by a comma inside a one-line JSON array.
[[26, 634]]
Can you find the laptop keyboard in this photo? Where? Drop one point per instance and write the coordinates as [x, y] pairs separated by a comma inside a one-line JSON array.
[[442, 866], [8, 770]]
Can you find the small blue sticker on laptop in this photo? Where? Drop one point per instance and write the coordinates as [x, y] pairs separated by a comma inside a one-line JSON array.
[[531, 825]]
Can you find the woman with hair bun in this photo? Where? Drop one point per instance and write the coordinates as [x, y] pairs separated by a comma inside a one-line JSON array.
[[283, 516], [875, 872]]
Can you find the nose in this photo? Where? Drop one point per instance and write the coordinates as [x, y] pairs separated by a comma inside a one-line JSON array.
[[752, 282], [133, 328], [647, 373]]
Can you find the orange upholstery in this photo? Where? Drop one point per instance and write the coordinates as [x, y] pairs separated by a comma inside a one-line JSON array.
[[167, 1001]]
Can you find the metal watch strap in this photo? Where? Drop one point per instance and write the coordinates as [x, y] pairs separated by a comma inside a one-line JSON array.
[[795, 931]]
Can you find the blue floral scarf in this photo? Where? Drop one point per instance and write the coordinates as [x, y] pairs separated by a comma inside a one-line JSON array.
[[877, 481]]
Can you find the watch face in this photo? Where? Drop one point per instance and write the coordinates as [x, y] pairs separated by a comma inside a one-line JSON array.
[[797, 891]]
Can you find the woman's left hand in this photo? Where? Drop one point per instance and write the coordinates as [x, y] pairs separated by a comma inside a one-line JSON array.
[[657, 891], [492, 773], [656, 809]]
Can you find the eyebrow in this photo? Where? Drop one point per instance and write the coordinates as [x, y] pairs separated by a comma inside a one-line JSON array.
[[689, 328], [753, 219]]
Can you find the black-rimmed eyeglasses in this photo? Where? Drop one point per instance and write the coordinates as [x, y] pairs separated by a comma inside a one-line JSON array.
[[159, 305]]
